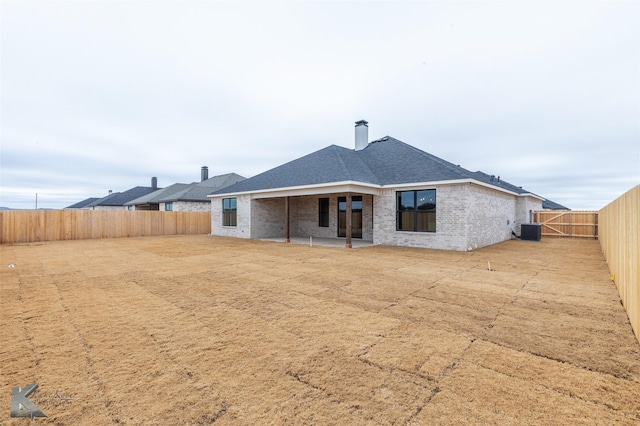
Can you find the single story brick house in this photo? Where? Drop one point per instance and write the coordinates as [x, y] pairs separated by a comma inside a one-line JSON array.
[[185, 196], [385, 191]]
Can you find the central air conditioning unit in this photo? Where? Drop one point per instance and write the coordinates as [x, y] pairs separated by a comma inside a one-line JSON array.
[[531, 232]]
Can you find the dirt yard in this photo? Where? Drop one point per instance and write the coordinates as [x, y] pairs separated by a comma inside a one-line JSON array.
[[196, 329]]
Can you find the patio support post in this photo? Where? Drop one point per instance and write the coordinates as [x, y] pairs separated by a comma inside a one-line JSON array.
[[287, 235], [348, 221]]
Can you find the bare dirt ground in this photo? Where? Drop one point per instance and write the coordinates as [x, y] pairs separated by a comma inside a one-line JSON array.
[[197, 329]]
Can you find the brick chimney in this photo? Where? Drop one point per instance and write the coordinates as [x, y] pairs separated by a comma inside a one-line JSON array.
[[362, 135]]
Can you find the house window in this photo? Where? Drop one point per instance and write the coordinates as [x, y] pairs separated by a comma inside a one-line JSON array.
[[416, 210], [323, 212], [229, 212], [168, 207]]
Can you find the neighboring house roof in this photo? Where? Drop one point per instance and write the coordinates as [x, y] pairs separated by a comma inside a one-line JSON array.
[[198, 191], [83, 203], [120, 198], [157, 196], [386, 161], [550, 205]]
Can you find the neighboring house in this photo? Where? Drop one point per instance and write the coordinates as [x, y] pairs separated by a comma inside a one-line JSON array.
[[84, 204], [117, 200], [399, 196], [186, 197], [152, 201]]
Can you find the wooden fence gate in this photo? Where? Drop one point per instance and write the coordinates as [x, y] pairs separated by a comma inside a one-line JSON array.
[[567, 223]]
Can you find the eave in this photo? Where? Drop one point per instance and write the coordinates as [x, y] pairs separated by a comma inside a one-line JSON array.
[[358, 187]]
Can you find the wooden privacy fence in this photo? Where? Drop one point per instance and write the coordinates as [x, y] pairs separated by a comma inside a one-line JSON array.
[[25, 226], [620, 241], [567, 223]]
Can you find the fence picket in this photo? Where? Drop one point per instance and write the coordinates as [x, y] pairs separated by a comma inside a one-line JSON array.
[[620, 241], [25, 226]]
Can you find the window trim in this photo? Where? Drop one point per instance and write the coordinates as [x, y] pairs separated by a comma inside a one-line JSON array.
[[415, 210], [230, 213]]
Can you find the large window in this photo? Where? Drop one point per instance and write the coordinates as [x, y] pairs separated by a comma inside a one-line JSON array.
[[229, 212], [323, 212], [416, 210]]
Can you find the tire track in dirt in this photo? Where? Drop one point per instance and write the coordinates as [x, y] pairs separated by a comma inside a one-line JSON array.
[[145, 346], [45, 317], [20, 359], [94, 378]]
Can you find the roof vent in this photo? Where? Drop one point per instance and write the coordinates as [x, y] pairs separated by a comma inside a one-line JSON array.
[[362, 135]]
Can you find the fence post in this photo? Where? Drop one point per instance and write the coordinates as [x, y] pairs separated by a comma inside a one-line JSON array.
[[570, 225]]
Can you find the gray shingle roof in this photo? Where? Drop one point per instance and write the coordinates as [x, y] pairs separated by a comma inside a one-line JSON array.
[[199, 191], [83, 203], [196, 191], [386, 161], [120, 198], [157, 196]]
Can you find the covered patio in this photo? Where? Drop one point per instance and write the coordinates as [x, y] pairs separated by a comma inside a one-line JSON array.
[[323, 242], [336, 218]]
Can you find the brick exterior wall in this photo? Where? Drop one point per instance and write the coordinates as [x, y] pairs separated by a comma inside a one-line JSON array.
[[187, 206], [243, 228], [524, 206], [491, 216], [110, 208], [467, 217], [267, 218], [191, 206], [451, 201], [305, 216]]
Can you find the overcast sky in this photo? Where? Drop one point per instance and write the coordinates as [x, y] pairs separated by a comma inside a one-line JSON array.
[[99, 96]]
